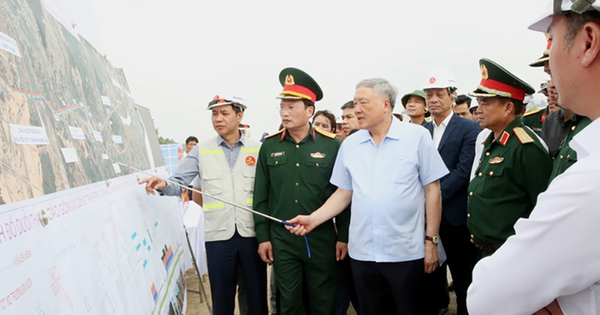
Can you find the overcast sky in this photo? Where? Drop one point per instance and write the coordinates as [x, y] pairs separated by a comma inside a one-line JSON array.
[[178, 54]]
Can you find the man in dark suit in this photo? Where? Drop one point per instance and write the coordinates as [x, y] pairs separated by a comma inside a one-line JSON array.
[[454, 138]]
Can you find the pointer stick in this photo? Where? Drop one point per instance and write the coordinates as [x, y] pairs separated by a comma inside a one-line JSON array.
[[221, 200]]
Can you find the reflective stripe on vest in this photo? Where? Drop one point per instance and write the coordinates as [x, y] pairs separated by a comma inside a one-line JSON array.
[[213, 206], [249, 201], [250, 150]]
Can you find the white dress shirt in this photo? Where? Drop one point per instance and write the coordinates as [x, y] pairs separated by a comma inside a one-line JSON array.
[[555, 254], [438, 131], [483, 134]]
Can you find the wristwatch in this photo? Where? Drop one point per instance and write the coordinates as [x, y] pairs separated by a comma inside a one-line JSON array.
[[434, 239]]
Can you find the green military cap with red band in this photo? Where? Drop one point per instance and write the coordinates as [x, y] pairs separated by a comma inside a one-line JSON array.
[[499, 82], [297, 84], [540, 62]]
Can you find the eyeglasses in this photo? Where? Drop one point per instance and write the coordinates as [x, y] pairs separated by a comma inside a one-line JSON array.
[[289, 108]]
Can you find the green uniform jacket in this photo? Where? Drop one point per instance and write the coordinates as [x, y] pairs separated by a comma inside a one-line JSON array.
[[292, 179], [535, 119], [514, 169], [565, 157]]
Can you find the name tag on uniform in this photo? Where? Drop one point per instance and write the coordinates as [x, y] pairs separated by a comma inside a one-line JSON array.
[[496, 160], [317, 155], [276, 154]]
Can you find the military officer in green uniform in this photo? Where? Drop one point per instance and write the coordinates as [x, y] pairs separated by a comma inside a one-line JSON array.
[[292, 177], [566, 156], [536, 117], [514, 167], [415, 104]]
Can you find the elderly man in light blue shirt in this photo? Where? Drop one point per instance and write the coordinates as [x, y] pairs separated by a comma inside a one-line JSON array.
[[390, 172]]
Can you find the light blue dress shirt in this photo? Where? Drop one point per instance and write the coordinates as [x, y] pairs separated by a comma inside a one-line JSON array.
[[388, 201]]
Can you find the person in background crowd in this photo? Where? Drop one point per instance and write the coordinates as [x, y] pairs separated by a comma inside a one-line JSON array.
[[473, 109], [324, 120], [190, 143], [463, 107], [454, 138], [224, 164], [514, 167], [535, 118], [349, 120], [339, 131], [416, 107], [390, 244], [292, 177]]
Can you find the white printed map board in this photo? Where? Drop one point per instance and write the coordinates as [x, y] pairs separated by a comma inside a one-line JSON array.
[[110, 249]]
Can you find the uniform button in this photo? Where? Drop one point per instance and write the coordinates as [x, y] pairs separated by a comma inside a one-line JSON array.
[[491, 173], [296, 201], [297, 184], [568, 156], [471, 194], [468, 215], [573, 128], [276, 162], [480, 174], [487, 153], [297, 146], [562, 157], [472, 236], [317, 164], [297, 164]]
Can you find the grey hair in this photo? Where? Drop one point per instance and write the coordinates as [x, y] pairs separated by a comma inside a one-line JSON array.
[[382, 88]]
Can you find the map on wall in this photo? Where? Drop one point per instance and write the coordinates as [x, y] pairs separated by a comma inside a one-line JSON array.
[[78, 235], [67, 117]]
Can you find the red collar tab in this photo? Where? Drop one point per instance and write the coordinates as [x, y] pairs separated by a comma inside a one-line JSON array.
[[504, 138]]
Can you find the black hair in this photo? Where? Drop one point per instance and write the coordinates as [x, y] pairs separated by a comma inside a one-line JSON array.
[[575, 23], [329, 116], [191, 138], [463, 99], [348, 104]]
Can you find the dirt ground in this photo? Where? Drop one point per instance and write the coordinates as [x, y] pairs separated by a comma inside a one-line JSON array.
[[196, 306]]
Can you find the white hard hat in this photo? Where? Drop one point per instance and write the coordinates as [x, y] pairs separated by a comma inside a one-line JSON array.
[[219, 100], [557, 7], [474, 104], [439, 78]]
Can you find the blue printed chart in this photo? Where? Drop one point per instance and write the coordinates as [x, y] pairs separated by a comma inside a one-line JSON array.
[[109, 249]]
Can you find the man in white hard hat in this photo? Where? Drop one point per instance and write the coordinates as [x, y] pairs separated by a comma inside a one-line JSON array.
[[473, 109], [454, 138], [225, 165], [550, 266]]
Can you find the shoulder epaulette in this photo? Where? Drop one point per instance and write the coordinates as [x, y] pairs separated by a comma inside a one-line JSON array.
[[274, 134], [533, 112], [522, 135], [326, 134]]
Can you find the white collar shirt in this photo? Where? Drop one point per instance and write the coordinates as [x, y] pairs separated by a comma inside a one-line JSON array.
[[438, 131], [554, 253]]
